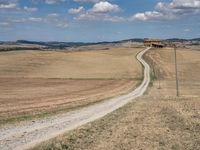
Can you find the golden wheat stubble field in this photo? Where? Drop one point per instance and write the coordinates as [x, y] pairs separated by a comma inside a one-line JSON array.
[[157, 120], [33, 82]]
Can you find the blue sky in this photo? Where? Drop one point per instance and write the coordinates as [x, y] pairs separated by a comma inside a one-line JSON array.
[[98, 20]]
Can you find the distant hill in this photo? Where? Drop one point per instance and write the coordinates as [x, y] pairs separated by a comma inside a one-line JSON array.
[[182, 40], [177, 40], [62, 45], [196, 39], [53, 44]]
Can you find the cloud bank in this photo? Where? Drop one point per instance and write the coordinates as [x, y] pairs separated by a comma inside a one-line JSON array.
[[172, 10]]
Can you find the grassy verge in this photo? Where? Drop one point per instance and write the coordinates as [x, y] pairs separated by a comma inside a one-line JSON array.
[[152, 71], [152, 77]]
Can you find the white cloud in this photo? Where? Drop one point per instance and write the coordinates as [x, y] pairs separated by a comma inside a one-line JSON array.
[[149, 15], [52, 19], [48, 1], [7, 6], [172, 10], [30, 9], [101, 11], [187, 30], [62, 25], [54, 1], [99, 17], [51, 1], [21, 20], [4, 24], [114, 18], [87, 1], [179, 7], [76, 10], [33, 19], [185, 4], [103, 7], [53, 15], [56, 20]]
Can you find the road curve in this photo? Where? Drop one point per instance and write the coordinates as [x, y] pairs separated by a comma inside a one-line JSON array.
[[30, 133]]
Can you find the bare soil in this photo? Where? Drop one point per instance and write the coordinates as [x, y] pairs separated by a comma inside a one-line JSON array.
[[158, 120]]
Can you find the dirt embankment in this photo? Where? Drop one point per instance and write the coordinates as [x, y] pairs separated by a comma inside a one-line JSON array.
[[158, 120]]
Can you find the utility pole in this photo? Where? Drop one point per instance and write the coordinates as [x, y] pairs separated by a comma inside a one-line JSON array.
[[176, 72]]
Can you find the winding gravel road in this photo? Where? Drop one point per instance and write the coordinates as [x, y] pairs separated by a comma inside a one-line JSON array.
[[30, 133]]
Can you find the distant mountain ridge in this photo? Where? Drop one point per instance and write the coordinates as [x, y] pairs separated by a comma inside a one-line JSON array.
[[55, 44], [60, 45], [104, 42], [182, 40]]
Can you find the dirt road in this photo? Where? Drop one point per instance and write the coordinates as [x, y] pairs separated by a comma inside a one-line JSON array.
[[28, 134]]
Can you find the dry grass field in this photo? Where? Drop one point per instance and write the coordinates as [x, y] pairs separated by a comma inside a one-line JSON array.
[[158, 120], [38, 82], [114, 63]]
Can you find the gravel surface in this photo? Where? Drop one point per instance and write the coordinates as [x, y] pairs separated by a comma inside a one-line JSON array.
[[30, 133]]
